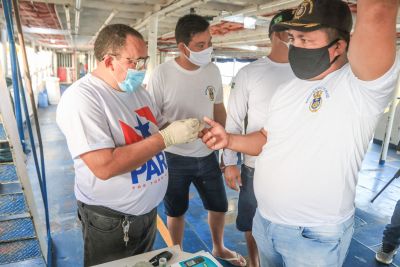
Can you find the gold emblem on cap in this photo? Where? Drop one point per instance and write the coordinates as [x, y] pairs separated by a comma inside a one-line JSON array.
[[303, 7]]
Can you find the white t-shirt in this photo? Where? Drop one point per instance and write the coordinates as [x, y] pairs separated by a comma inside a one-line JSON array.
[[93, 116], [182, 94], [318, 134], [252, 90]]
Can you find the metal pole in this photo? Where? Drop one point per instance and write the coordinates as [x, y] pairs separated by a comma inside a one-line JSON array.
[[28, 84], [152, 43], [389, 126], [13, 58]]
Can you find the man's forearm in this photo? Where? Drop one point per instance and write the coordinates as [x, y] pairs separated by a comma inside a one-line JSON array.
[[135, 155], [220, 114], [250, 144], [107, 163]]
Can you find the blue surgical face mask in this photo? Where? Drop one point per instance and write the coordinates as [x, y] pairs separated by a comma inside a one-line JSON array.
[[134, 78]]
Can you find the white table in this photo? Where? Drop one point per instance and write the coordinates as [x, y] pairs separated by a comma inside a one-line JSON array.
[[177, 256]]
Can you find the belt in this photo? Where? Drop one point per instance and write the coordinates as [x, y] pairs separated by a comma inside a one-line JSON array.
[[113, 213]]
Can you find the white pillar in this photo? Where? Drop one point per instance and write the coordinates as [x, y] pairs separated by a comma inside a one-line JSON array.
[[75, 66], [389, 125], [92, 61], [55, 64], [152, 45], [4, 50]]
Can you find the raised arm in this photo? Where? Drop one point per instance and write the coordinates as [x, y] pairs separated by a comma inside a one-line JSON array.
[[373, 44]]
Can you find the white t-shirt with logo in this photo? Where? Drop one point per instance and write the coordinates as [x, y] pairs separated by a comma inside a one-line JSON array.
[[94, 116], [252, 90], [182, 94], [318, 134]]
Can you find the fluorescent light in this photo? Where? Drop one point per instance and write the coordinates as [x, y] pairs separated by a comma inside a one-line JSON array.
[[253, 48], [249, 23]]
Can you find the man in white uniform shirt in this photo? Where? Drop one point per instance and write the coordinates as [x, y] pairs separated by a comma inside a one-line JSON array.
[[190, 86], [252, 90], [111, 126], [318, 129]]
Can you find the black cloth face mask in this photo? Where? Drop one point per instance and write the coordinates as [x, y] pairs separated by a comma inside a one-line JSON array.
[[309, 63]]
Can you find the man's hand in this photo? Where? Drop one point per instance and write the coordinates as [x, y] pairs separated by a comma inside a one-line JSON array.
[[182, 131], [215, 137], [232, 177]]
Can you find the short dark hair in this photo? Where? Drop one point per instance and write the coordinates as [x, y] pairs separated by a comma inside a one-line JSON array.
[[189, 25], [334, 34], [281, 16], [112, 38]]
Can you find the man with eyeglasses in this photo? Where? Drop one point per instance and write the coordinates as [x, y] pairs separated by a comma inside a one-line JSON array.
[[318, 129], [190, 86], [112, 130]]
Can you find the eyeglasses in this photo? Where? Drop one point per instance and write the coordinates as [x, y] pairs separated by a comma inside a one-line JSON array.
[[139, 63]]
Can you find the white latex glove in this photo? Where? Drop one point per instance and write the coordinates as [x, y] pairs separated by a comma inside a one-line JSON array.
[[182, 131]]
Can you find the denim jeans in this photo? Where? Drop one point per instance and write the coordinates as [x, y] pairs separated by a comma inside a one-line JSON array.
[[103, 237], [391, 235], [296, 246]]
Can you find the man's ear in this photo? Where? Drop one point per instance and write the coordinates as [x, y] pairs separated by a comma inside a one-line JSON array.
[[108, 62], [181, 48], [340, 48], [272, 36], [281, 35]]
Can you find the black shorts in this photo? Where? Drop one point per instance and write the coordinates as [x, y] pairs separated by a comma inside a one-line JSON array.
[[204, 173], [247, 204]]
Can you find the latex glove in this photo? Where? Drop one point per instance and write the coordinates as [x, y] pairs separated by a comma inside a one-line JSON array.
[[182, 131]]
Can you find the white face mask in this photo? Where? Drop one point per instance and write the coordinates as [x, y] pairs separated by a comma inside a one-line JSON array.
[[201, 58], [286, 43]]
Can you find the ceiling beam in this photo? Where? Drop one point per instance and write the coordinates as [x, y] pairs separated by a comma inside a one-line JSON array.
[[205, 11], [252, 10], [260, 40], [241, 35], [173, 7], [57, 2], [231, 7], [97, 4], [106, 22], [78, 5], [135, 2], [44, 30], [130, 15]]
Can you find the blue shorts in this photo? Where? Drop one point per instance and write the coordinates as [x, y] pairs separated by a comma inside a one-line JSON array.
[[247, 204], [204, 173]]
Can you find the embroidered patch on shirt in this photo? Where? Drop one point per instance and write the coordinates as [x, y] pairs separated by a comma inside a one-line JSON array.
[[315, 100], [210, 92]]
